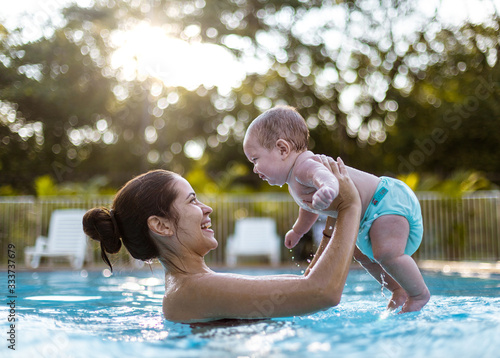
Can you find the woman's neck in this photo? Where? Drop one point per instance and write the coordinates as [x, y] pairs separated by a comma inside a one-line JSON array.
[[178, 259], [185, 264]]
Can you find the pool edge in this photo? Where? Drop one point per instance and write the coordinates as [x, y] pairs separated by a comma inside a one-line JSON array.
[[462, 267]]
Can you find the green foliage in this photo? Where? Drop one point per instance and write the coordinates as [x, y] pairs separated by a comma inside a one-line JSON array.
[[7, 190], [428, 98], [45, 185], [411, 179], [455, 186], [226, 183], [200, 181]]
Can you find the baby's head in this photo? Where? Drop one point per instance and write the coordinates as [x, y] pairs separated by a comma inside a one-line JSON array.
[[273, 141], [281, 122]]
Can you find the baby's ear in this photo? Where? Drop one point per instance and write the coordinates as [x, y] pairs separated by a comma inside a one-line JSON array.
[[284, 147]]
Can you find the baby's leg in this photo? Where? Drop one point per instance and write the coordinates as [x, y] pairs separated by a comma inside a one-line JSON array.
[[389, 235], [399, 295]]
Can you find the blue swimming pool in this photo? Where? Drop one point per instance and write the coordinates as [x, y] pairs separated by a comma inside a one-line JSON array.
[[85, 314]]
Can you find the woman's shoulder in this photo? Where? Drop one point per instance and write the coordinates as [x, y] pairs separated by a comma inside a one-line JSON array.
[[185, 293], [179, 292]]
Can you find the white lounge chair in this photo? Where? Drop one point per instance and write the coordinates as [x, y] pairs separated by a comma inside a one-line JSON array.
[[65, 239], [253, 237]]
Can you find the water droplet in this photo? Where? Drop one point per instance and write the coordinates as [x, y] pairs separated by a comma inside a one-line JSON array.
[[308, 261], [384, 285], [302, 272]]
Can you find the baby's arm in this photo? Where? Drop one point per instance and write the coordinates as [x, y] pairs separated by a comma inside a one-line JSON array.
[[318, 176], [303, 224]]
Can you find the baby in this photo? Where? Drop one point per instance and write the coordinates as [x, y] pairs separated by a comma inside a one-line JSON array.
[[391, 226]]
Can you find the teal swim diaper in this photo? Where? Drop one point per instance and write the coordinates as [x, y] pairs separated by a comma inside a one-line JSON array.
[[392, 197]]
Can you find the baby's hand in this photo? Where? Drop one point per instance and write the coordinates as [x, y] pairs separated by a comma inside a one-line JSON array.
[[291, 239], [323, 197]]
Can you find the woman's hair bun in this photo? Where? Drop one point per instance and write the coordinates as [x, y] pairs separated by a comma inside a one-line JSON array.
[[98, 225]]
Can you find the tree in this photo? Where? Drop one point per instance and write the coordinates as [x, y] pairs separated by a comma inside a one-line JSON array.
[[366, 76], [449, 120]]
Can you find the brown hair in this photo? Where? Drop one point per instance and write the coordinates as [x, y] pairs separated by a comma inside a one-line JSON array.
[[149, 194], [281, 122]]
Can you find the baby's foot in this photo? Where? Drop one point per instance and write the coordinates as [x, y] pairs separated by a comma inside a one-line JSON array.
[[399, 297], [415, 303]]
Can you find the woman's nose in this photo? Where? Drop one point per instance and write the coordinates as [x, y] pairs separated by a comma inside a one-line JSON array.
[[255, 169], [207, 209]]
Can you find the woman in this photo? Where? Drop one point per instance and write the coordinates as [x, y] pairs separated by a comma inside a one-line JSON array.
[[157, 215]]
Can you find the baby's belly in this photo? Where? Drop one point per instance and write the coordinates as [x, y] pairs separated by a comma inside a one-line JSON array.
[[331, 213]]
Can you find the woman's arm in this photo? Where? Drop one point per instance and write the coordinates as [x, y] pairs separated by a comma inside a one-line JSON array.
[[327, 235], [211, 296]]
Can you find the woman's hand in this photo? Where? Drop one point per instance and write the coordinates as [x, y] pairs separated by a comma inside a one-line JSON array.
[[348, 194]]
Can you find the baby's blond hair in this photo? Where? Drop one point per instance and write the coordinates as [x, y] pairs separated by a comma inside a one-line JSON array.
[[281, 122]]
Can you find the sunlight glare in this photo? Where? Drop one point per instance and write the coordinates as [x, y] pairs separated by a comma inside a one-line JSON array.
[[194, 148], [149, 51]]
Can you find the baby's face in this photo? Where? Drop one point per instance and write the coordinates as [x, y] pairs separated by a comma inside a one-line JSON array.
[[268, 164]]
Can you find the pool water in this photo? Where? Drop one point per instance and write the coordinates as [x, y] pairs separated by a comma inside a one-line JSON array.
[[85, 314]]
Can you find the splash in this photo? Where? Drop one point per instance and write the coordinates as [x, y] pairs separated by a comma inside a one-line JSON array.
[[384, 285], [297, 264]]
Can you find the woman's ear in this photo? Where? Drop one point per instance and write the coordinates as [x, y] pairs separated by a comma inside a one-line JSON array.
[[160, 226], [283, 147]]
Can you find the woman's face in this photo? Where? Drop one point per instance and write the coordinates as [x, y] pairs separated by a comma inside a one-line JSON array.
[[193, 228]]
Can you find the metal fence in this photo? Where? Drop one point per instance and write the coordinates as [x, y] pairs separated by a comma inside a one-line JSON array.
[[465, 228]]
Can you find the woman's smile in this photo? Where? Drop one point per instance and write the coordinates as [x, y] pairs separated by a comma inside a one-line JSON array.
[[207, 226]]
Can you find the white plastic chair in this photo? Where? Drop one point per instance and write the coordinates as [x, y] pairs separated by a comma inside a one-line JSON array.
[[65, 239], [253, 237]]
